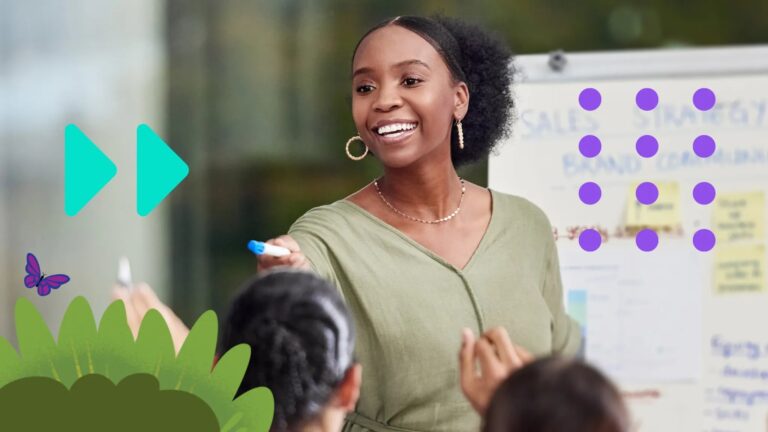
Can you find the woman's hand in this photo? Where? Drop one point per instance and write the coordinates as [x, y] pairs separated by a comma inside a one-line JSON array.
[[498, 358], [296, 259], [139, 300]]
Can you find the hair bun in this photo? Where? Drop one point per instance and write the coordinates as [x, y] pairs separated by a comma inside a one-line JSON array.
[[488, 68], [301, 336]]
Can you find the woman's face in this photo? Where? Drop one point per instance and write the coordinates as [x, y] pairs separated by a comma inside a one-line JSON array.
[[404, 99]]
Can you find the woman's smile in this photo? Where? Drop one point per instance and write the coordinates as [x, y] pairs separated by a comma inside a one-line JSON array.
[[394, 132]]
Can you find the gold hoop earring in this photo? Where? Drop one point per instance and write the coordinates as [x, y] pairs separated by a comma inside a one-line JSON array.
[[461, 135], [349, 155]]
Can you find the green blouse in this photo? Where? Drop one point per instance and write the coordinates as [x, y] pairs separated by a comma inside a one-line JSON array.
[[410, 305]]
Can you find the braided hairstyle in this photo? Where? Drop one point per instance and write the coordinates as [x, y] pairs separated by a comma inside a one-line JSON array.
[[484, 63], [301, 338]]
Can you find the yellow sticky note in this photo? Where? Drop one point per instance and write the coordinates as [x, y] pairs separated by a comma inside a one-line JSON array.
[[665, 212], [739, 217], [740, 269]]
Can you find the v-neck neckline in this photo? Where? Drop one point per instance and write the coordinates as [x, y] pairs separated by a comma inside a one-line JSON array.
[[480, 246]]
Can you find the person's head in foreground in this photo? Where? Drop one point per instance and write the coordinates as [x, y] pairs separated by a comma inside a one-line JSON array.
[[556, 395], [302, 340]]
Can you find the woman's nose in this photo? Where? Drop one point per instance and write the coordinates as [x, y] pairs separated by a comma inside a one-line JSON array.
[[387, 99]]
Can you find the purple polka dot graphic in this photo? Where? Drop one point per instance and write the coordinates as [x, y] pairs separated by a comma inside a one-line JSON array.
[[704, 146], [704, 99], [590, 99], [647, 240], [704, 193], [704, 240], [647, 99], [647, 193], [590, 193], [590, 146], [590, 240], [647, 146]]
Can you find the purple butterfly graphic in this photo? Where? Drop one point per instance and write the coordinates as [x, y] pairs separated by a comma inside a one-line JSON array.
[[35, 278]]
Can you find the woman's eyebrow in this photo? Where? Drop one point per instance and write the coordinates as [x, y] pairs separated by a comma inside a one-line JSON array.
[[364, 70], [411, 62]]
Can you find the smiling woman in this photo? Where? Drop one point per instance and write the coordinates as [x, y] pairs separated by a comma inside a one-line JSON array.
[[419, 253]]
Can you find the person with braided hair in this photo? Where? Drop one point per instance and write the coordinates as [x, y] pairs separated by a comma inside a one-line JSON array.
[[420, 254], [302, 341]]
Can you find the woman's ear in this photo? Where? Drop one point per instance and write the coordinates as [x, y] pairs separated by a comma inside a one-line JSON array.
[[460, 101], [349, 390]]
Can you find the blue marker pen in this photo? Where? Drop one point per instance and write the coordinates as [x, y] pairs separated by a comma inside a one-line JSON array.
[[261, 248]]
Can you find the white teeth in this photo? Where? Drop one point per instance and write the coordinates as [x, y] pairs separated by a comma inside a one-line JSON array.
[[396, 127]]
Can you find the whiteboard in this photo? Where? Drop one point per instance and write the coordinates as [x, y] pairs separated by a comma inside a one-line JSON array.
[[684, 332]]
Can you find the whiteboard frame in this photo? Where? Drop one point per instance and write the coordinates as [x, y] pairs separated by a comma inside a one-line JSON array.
[[661, 63], [633, 64]]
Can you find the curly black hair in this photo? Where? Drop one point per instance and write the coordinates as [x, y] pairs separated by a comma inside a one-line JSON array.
[[484, 63], [301, 337]]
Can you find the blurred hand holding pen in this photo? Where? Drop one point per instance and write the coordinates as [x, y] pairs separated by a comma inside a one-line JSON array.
[[139, 299]]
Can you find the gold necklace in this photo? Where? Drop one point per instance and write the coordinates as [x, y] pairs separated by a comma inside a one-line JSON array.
[[436, 221]]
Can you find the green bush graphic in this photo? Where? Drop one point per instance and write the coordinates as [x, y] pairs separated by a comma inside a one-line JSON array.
[[110, 351], [95, 403]]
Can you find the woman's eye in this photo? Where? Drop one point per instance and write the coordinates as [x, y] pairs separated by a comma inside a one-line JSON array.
[[411, 81], [363, 88]]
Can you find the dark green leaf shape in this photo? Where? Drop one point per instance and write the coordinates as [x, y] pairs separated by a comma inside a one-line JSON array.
[[94, 403]]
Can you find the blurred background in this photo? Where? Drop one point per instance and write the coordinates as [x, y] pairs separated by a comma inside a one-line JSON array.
[[255, 97]]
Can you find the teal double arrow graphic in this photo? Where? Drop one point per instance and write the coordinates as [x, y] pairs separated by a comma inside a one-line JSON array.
[[158, 170], [87, 170]]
